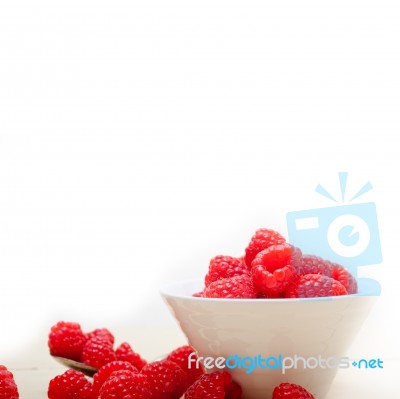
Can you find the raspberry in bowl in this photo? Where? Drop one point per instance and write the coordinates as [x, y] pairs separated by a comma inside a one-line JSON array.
[[269, 311]]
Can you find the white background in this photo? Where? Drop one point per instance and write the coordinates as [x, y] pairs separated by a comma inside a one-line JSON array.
[[140, 138]]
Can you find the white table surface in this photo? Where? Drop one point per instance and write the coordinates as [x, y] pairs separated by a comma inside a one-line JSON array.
[[34, 370]]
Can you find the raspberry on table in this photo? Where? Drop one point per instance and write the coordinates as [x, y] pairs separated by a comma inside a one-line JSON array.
[[66, 339], [102, 333], [8, 387], [314, 285], [272, 268], [180, 356], [217, 385], [312, 264], [234, 287], [104, 372], [262, 239], [167, 380], [70, 385], [224, 267], [291, 391], [127, 385], [125, 353], [97, 352]]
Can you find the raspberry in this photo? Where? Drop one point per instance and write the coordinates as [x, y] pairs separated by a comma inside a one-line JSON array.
[[234, 287], [241, 260], [340, 274], [104, 373], [67, 340], [97, 352], [8, 387], [87, 392], [70, 385], [125, 353], [291, 391], [272, 268], [272, 295], [224, 267], [262, 239], [311, 264], [233, 391], [102, 333], [214, 386], [127, 385], [167, 380], [314, 285], [199, 294], [181, 357]]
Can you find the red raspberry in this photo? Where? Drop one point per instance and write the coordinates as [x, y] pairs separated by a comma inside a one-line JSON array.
[[234, 287], [104, 372], [311, 264], [199, 294], [87, 392], [314, 285], [241, 260], [233, 391], [102, 333], [8, 387], [167, 380], [271, 295], [340, 274], [125, 353], [67, 340], [262, 239], [97, 352], [224, 267], [127, 385], [214, 386], [272, 268], [70, 385], [291, 391], [181, 357]]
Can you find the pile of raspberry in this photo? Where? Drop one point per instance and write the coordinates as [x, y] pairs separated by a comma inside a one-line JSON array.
[[94, 348], [164, 380], [125, 375], [272, 268], [121, 372]]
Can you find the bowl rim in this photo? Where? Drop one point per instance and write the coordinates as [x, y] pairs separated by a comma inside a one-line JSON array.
[[166, 290]]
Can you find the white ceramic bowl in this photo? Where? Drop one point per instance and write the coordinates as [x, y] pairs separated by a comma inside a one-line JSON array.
[[248, 327]]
